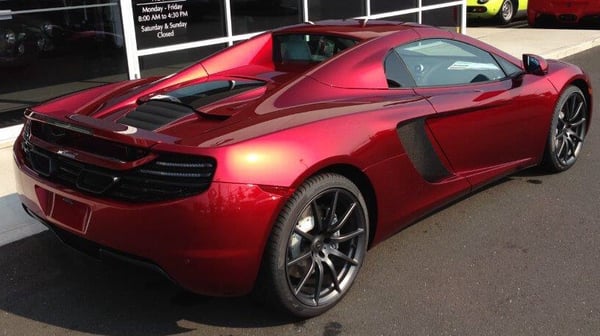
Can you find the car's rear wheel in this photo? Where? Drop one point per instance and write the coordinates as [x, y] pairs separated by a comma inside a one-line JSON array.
[[317, 246], [506, 12], [567, 131]]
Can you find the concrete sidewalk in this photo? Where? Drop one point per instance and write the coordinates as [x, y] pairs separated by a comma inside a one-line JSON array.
[[14, 223], [549, 43]]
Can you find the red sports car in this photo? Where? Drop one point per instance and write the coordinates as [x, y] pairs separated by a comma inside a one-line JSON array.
[[568, 12], [272, 166]]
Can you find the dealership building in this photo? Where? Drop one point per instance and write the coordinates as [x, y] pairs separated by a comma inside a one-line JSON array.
[[53, 47]]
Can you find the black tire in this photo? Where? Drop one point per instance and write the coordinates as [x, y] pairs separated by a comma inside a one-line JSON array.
[[507, 12], [567, 131], [305, 250]]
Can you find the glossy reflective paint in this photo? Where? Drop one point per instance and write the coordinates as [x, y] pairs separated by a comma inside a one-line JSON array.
[[482, 127], [335, 116], [188, 238]]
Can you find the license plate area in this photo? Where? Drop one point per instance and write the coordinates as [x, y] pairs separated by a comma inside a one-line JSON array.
[[70, 213]]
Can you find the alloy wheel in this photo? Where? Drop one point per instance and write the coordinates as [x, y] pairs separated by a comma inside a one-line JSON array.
[[326, 247], [570, 129]]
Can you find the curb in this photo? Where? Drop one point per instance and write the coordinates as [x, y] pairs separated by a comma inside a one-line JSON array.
[[572, 50]]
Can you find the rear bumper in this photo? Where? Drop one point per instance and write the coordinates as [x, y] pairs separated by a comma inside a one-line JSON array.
[[96, 250], [210, 244]]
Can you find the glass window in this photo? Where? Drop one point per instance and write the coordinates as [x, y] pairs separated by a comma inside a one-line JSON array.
[[168, 63], [434, 2], [403, 18], [335, 9], [307, 48], [250, 16], [165, 22], [19, 5], [446, 62], [443, 17], [509, 68], [57, 50], [383, 6], [396, 73]]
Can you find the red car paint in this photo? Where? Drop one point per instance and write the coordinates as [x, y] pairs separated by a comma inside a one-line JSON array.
[[563, 11], [338, 115]]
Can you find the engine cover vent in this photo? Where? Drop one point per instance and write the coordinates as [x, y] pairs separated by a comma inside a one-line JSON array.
[[154, 114]]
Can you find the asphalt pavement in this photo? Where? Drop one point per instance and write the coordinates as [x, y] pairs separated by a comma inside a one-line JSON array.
[[517, 258]]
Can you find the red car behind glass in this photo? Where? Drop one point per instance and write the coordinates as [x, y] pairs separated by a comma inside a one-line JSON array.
[[564, 12], [273, 165]]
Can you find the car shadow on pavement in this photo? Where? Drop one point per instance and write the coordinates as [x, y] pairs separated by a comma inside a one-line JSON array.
[[48, 282]]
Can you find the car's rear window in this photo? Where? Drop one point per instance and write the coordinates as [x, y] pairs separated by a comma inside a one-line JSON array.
[[308, 48]]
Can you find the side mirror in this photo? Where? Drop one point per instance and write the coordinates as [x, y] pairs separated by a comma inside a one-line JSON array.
[[535, 64]]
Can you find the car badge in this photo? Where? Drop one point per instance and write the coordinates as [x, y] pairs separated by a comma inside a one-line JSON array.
[[66, 153], [128, 131]]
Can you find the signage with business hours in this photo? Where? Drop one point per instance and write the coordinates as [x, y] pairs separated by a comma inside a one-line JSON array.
[[160, 22]]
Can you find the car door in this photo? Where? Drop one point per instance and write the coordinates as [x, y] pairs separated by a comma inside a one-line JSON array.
[[488, 119]]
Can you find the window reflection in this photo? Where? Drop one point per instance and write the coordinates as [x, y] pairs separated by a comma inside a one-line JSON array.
[[19, 5], [257, 15], [443, 17], [382, 6], [335, 9], [413, 17], [168, 63], [48, 53]]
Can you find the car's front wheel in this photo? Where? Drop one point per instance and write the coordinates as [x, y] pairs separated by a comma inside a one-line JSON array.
[[567, 131], [317, 246]]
